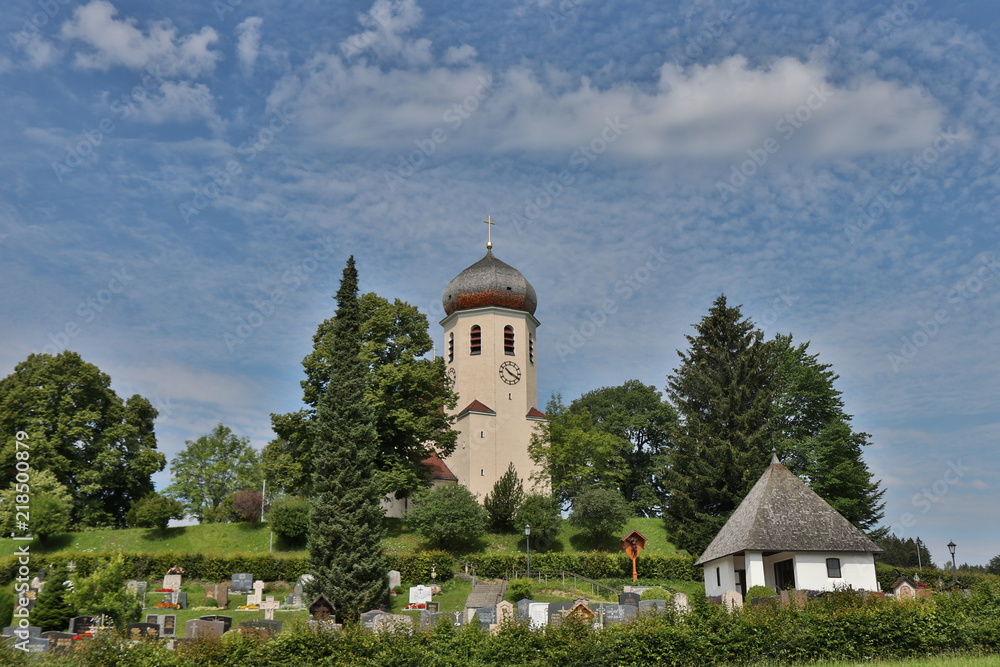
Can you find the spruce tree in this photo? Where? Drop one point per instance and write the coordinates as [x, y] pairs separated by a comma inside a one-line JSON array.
[[724, 392], [52, 608], [346, 526], [502, 503]]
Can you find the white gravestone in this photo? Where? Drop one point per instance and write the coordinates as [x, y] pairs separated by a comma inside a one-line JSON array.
[[420, 594], [732, 600], [172, 581], [538, 614], [395, 581], [258, 593], [681, 602], [269, 605]]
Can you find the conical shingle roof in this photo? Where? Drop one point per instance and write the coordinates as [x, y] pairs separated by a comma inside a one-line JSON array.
[[781, 513]]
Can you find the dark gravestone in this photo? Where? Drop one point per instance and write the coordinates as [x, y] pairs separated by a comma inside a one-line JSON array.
[[227, 621], [522, 608], [197, 628], [368, 618], [629, 598], [616, 614], [79, 625], [153, 618], [242, 582], [168, 625], [179, 598], [433, 606], [270, 628], [652, 606], [137, 631], [36, 644], [321, 609], [558, 611], [59, 641], [430, 619], [486, 616]]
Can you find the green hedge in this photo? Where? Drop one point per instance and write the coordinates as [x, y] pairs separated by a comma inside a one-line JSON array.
[[412, 567], [887, 574], [842, 626], [594, 564]]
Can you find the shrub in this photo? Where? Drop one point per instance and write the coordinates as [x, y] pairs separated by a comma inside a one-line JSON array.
[[656, 593], [541, 512], [248, 505], [599, 513], [518, 589], [154, 511], [289, 518], [448, 516], [759, 592], [6, 607], [210, 602]]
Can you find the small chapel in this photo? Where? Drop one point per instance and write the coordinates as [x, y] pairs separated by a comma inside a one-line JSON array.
[[490, 356]]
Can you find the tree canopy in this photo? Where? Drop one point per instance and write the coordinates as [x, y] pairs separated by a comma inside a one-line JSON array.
[[406, 394], [210, 470], [101, 448]]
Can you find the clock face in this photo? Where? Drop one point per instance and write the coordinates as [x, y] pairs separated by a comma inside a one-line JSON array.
[[510, 373], [452, 373]]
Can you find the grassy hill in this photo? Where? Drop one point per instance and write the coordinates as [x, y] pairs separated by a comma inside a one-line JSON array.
[[227, 538]]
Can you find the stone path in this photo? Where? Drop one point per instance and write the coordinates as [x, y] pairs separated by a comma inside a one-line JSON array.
[[484, 594]]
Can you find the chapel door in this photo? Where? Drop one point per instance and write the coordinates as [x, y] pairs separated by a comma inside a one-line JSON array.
[[784, 575]]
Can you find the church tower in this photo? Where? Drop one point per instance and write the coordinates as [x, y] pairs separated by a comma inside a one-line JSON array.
[[490, 355]]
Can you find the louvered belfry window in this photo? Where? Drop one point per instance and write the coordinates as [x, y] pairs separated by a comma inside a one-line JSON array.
[[508, 340], [476, 340]]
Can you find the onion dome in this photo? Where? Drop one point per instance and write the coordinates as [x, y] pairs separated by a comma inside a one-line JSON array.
[[489, 282]]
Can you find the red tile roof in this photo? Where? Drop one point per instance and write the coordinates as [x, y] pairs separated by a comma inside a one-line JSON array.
[[476, 406], [535, 413], [438, 469]]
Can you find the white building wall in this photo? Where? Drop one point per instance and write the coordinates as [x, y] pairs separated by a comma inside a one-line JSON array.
[[720, 576], [857, 571]]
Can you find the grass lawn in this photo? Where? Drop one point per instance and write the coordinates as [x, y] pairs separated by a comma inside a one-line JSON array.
[[228, 538], [935, 661]]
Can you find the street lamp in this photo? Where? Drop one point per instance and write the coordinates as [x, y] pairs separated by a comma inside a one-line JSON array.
[[954, 565], [527, 547]]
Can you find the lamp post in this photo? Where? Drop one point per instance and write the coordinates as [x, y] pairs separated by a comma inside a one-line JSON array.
[[954, 565], [527, 548]]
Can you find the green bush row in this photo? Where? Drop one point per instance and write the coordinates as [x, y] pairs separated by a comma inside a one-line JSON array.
[[413, 567], [837, 627], [594, 564], [887, 574]]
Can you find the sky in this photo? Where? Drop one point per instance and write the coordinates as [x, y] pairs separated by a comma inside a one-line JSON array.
[[181, 184]]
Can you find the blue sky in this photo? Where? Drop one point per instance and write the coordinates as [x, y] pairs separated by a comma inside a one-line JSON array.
[[182, 183]]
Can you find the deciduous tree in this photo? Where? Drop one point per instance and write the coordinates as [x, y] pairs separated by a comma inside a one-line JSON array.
[[599, 513], [449, 517]]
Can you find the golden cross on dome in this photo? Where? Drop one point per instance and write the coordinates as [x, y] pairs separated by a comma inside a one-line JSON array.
[[489, 231]]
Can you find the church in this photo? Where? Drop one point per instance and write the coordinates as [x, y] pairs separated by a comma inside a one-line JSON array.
[[490, 356]]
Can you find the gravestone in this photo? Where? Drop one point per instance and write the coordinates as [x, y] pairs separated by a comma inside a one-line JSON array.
[[22, 633], [227, 621], [137, 631], [430, 605], [59, 641], [168, 625], [558, 611], [271, 628], [393, 623], [581, 612], [321, 610], [523, 605], [429, 619], [395, 581], [80, 625], [653, 606], [197, 629], [798, 598], [368, 618], [538, 615], [505, 611], [616, 614], [258, 593], [269, 606], [420, 594], [486, 616], [218, 591], [732, 600], [172, 581], [36, 644], [137, 588], [681, 603], [629, 598], [153, 618], [241, 582]]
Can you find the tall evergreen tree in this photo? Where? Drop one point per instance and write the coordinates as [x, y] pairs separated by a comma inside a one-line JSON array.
[[502, 503], [346, 526], [819, 444], [52, 608], [724, 392]]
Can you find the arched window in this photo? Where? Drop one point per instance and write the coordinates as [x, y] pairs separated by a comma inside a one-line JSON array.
[[508, 340], [531, 348], [451, 347], [475, 339]]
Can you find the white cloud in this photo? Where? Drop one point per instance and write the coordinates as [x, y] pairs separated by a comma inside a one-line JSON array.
[[385, 23], [40, 52], [120, 43], [458, 55], [178, 102], [248, 44]]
